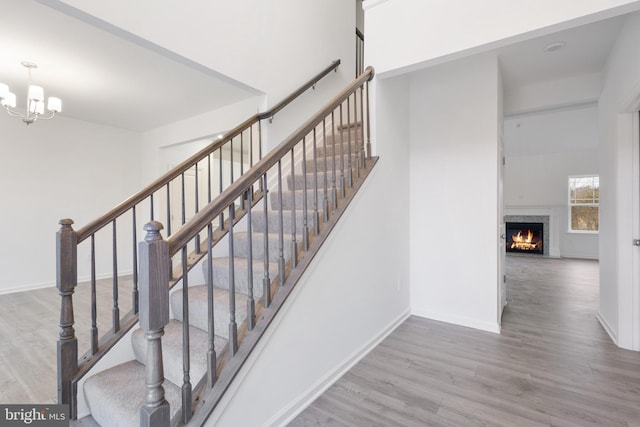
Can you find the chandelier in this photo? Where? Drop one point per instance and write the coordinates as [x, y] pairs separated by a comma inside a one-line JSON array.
[[35, 101]]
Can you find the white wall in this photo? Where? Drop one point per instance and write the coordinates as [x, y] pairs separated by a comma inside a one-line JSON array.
[[566, 92], [619, 293], [269, 45], [310, 349], [207, 125], [542, 149], [403, 35], [454, 192], [62, 168]]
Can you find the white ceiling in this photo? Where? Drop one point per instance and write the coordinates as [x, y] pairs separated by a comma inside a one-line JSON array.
[[102, 77], [586, 50], [109, 79]]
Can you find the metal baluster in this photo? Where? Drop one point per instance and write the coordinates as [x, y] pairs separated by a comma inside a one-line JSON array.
[[168, 210], [151, 207], [251, 153], [233, 327], [169, 221], [266, 281], [221, 225], [361, 138], [94, 302], [197, 238], [349, 165], [116, 309], [325, 200], [260, 140], [355, 136], [305, 226], [251, 146], [294, 243], [212, 359], [242, 198], [241, 153], [316, 215], [134, 295], [183, 214], [334, 192], [231, 159], [342, 183], [368, 125], [251, 306], [209, 179], [263, 187], [186, 365], [281, 227]]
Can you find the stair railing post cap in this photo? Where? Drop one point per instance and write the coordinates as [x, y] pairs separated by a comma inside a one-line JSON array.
[[66, 222], [153, 231]]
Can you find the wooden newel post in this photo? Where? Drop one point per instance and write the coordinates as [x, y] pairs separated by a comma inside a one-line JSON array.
[[66, 281], [154, 315]]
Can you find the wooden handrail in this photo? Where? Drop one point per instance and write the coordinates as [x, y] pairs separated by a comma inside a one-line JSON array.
[[95, 225], [71, 369], [276, 108], [200, 220]]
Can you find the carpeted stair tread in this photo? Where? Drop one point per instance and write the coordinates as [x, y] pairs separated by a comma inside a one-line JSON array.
[[335, 162], [287, 199], [241, 246], [172, 351], [311, 180], [273, 221], [337, 149], [116, 395], [241, 266], [198, 308], [339, 137]]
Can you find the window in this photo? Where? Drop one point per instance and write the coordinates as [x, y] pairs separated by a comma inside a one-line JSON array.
[[584, 202]]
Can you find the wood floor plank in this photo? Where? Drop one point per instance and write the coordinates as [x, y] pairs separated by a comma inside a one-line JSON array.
[[314, 418], [552, 364], [29, 332]]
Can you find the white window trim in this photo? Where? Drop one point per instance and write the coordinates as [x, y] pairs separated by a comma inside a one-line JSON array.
[[569, 205]]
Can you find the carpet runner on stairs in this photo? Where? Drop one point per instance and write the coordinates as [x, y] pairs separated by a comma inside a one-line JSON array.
[[116, 395]]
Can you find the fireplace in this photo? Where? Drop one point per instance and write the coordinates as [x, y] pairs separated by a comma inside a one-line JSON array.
[[525, 237]]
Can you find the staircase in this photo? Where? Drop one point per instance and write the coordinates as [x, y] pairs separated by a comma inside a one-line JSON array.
[[251, 245]]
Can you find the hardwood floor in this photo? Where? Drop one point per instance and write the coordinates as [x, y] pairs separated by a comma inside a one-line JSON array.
[[29, 332], [552, 365]]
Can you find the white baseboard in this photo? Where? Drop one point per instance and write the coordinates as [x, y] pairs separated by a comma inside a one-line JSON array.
[[27, 287], [580, 256], [35, 286], [607, 328], [294, 408], [459, 320]]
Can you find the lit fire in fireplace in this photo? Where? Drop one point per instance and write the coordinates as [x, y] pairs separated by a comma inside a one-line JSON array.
[[524, 243]]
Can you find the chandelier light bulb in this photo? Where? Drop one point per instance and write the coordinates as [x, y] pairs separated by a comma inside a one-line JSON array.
[[36, 93], [54, 104], [36, 107], [9, 100]]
